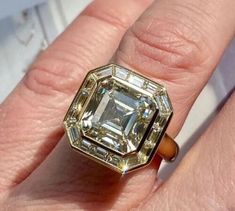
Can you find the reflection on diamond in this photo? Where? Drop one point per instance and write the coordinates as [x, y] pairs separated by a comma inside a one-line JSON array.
[[163, 103], [121, 72], [74, 133], [113, 113], [137, 81]]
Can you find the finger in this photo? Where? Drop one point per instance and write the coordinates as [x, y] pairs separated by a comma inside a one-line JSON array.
[[179, 45], [31, 117], [206, 174], [173, 43], [90, 187]]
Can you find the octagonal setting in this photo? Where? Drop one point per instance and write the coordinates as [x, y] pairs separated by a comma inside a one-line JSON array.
[[118, 118]]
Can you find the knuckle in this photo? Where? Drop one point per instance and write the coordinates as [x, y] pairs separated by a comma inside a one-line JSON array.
[[46, 77], [167, 42], [108, 15]]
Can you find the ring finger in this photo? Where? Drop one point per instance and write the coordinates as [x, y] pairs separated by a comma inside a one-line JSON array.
[[31, 116]]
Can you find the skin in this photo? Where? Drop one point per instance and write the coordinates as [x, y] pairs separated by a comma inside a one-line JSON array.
[[177, 43]]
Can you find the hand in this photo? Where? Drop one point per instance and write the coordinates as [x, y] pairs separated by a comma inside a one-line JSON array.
[[177, 43]]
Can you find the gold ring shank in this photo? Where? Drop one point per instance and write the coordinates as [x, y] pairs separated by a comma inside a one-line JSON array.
[[168, 149]]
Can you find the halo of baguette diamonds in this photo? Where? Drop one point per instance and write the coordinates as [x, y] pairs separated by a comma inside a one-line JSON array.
[[118, 118]]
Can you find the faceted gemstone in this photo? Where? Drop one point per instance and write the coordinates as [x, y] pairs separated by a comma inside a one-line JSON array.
[[117, 116]]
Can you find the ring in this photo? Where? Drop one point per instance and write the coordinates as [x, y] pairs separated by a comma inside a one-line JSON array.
[[119, 118]]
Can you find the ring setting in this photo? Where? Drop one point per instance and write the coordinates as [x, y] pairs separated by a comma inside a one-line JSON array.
[[119, 118]]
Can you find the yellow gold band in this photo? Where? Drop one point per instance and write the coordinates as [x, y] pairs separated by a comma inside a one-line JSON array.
[[168, 149]]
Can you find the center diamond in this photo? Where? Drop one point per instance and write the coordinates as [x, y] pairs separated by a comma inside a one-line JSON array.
[[114, 114], [117, 117]]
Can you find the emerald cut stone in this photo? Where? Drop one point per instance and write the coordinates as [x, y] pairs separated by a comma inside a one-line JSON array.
[[117, 116]]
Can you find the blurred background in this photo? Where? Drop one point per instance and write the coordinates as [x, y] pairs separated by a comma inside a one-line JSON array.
[[27, 27]]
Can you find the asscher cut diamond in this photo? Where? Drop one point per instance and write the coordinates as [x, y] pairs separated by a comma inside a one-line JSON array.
[[117, 116]]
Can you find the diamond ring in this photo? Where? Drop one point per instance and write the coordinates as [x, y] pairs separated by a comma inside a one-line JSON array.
[[119, 118]]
